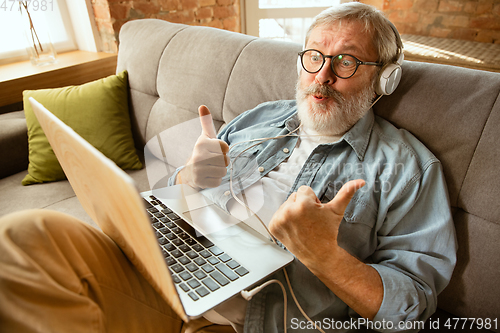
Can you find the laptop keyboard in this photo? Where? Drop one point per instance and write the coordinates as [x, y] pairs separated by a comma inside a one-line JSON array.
[[198, 267]]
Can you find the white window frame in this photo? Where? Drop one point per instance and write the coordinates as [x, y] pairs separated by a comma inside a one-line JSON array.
[[252, 14], [84, 25]]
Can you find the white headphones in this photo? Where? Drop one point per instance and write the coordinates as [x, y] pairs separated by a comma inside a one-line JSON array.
[[390, 75]]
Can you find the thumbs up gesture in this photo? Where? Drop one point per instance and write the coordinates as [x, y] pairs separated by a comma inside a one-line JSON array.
[[309, 228], [207, 164]]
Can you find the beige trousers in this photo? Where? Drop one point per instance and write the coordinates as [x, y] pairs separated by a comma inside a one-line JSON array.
[[58, 274]]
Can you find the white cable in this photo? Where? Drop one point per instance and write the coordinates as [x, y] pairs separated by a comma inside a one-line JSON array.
[[297, 302], [376, 101], [231, 162], [249, 294]]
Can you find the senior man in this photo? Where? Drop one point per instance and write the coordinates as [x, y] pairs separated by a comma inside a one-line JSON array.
[[387, 253], [381, 247]]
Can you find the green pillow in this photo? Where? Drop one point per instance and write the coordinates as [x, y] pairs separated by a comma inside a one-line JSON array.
[[97, 110]]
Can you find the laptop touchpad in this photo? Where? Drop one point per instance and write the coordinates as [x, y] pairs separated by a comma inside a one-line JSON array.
[[212, 220], [181, 198]]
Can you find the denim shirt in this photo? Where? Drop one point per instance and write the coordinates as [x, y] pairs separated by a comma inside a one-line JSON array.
[[399, 223]]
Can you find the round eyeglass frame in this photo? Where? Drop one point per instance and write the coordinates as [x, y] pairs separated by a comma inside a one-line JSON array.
[[358, 63]]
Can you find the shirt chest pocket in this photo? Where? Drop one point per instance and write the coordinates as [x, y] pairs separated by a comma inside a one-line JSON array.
[[361, 209], [357, 232]]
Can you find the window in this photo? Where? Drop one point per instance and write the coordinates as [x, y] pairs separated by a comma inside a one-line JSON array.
[[283, 19], [61, 18]]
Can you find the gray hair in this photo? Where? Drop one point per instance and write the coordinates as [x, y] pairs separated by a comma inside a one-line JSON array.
[[384, 37]]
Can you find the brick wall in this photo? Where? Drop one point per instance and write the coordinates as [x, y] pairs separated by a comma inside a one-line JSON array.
[[473, 20], [110, 15]]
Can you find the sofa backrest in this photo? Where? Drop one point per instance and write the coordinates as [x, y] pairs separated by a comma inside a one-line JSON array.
[[455, 111]]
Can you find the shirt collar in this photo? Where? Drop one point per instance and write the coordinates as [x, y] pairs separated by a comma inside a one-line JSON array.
[[357, 137]]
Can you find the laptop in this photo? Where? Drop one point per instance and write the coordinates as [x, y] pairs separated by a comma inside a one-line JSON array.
[[193, 253]]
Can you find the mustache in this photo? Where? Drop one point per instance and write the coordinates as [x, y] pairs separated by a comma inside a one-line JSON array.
[[323, 90]]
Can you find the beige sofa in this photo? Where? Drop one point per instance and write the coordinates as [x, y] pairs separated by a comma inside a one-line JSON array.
[[175, 68]]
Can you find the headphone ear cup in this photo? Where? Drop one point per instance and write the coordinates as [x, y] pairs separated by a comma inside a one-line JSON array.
[[388, 79]]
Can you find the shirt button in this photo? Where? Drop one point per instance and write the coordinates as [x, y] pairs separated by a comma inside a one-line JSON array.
[[286, 150], [261, 169], [227, 193]]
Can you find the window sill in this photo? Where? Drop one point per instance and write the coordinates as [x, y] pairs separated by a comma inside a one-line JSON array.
[[72, 68]]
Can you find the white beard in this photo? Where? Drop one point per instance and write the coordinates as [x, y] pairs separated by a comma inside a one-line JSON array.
[[337, 119]]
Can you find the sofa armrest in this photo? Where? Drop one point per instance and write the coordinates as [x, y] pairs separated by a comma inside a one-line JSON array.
[[13, 143]]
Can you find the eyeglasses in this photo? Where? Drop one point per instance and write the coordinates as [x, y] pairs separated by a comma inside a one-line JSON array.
[[343, 65]]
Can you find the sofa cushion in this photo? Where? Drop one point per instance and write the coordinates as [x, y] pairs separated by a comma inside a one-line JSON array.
[[98, 111], [13, 143], [57, 196]]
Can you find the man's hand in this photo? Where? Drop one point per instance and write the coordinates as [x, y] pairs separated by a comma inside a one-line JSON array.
[[208, 162], [309, 230]]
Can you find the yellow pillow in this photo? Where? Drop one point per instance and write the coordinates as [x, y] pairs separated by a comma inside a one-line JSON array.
[[98, 111]]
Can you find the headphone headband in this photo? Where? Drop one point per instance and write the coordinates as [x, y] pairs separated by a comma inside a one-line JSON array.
[[399, 42]]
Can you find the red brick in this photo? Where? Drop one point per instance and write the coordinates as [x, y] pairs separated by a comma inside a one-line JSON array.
[[464, 34], [189, 4], [105, 27], [204, 22], [426, 5], [410, 29], [415, 29], [147, 8], [206, 3], [431, 19], [395, 16], [470, 7], [101, 12], [461, 21], [225, 2], [496, 36], [484, 36], [484, 7], [224, 12], [231, 24], [108, 42], [186, 17], [204, 13], [379, 4], [216, 24], [450, 6], [398, 4], [411, 17], [439, 32], [496, 9], [492, 23], [404, 17], [100, 2], [117, 25], [119, 11], [169, 5]]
